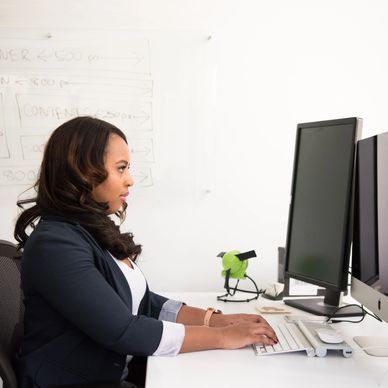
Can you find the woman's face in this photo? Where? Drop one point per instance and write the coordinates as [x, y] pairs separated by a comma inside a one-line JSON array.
[[114, 189]]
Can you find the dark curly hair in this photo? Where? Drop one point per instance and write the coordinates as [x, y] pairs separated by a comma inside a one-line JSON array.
[[73, 164]]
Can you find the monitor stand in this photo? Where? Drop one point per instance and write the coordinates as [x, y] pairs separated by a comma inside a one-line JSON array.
[[326, 306], [374, 346]]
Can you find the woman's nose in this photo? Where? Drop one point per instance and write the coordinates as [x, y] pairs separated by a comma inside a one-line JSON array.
[[129, 180]]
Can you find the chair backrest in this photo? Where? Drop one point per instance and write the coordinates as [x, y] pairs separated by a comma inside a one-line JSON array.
[[11, 311]]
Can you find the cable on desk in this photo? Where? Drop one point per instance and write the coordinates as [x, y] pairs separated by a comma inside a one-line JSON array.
[[364, 313]]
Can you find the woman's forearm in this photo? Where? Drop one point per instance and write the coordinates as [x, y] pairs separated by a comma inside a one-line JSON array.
[[201, 338], [191, 316]]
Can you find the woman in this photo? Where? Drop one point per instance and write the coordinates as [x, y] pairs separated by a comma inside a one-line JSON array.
[[88, 308]]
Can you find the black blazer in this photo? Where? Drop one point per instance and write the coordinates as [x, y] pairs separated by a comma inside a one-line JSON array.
[[78, 322]]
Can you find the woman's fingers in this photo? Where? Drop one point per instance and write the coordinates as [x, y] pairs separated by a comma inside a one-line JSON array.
[[247, 333], [266, 333]]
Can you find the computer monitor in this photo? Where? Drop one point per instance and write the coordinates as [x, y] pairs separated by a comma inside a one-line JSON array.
[[320, 218], [369, 283]]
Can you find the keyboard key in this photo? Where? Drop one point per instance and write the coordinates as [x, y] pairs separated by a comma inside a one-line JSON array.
[[282, 341], [291, 342]]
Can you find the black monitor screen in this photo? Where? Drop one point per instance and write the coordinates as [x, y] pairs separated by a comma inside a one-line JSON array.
[[319, 235]]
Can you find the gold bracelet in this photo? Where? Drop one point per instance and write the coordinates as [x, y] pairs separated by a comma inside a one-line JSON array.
[[209, 312]]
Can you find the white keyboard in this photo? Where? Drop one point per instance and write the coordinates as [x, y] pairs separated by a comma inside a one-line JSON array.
[[301, 336], [290, 340]]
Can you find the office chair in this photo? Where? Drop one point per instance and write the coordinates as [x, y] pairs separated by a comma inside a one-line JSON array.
[[11, 318], [11, 311]]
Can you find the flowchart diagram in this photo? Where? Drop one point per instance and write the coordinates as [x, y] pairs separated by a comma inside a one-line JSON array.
[[47, 81]]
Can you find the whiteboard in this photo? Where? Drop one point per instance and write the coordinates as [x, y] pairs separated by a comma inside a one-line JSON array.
[[49, 77], [155, 86]]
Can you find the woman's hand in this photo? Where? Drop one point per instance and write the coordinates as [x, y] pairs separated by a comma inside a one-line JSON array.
[[246, 332], [220, 320], [240, 330]]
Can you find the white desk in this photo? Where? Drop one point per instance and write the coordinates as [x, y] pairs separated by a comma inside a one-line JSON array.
[[241, 368]]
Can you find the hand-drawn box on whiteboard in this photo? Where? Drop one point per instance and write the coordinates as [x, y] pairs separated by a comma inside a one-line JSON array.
[[48, 111], [32, 147]]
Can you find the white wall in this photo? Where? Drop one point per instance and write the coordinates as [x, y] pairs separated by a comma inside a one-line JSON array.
[[278, 63]]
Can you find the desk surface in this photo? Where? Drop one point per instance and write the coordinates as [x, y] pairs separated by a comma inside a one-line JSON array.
[[241, 368]]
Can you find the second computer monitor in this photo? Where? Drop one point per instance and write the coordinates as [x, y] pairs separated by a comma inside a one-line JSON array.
[[370, 243], [320, 216]]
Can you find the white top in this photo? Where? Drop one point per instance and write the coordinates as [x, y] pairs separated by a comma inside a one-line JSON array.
[[136, 281], [173, 333]]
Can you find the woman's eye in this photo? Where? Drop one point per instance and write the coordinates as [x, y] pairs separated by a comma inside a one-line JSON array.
[[122, 168]]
